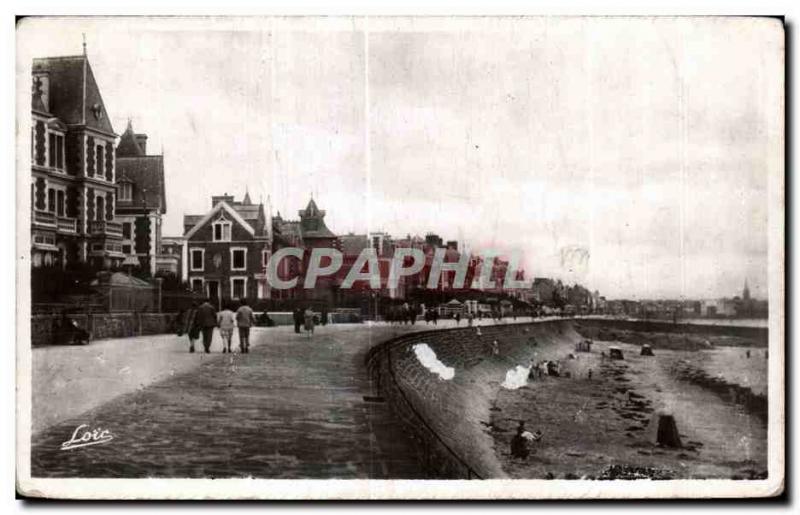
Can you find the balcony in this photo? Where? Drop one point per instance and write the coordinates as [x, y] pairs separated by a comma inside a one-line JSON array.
[[67, 225], [102, 228], [44, 218]]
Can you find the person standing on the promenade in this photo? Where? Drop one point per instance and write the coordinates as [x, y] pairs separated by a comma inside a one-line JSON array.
[[298, 319], [244, 319], [206, 320], [190, 326], [308, 317], [226, 321]]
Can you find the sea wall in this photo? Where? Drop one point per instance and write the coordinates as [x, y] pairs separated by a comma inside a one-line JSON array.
[[445, 392], [104, 325], [618, 330], [450, 417]]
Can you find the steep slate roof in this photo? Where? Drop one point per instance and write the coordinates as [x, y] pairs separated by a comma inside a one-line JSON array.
[[252, 214], [128, 146], [310, 214], [221, 206], [147, 175], [145, 172], [68, 75], [190, 221], [353, 244]]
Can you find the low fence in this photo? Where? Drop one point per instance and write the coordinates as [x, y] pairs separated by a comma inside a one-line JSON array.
[[103, 325]]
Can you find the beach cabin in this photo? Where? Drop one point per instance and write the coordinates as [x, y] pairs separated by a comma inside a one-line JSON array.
[[584, 346], [615, 353], [451, 308], [647, 350]]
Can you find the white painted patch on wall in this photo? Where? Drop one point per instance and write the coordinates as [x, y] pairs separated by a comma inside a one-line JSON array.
[[427, 357], [517, 377]]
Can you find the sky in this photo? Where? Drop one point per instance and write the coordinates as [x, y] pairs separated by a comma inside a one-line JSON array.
[[631, 155]]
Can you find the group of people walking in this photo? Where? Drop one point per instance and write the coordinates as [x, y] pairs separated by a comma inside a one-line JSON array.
[[306, 319], [203, 319]]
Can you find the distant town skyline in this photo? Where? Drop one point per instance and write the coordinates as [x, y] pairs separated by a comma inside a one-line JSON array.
[[603, 152]]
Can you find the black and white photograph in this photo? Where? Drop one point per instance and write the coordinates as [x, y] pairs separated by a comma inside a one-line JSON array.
[[377, 257]]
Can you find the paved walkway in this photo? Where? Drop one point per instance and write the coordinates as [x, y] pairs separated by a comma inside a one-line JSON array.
[[291, 408]]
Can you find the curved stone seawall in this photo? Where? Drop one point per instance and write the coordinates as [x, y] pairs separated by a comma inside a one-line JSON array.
[[450, 418]]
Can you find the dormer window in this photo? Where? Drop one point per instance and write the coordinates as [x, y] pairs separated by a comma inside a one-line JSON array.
[[222, 229], [125, 191]]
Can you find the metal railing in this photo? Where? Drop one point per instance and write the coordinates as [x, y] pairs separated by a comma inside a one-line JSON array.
[[44, 218], [104, 227], [67, 224]]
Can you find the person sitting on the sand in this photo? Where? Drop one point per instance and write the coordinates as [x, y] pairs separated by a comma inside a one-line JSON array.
[[519, 444]]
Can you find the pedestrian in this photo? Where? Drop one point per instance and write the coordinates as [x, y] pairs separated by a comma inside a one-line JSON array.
[[458, 319], [324, 317], [190, 326], [470, 318], [308, 318], [245, 319], [226, 321], [495, 348], [298, 319], [206, 320]]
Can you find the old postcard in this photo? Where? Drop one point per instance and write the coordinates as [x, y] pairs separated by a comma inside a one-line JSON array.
[[400, 258]]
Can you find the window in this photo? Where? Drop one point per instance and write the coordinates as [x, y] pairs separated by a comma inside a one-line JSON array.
[[99, 213], [238, 287], [126, 249], [238, 259], [51, 200], [51, 148], [264, 258], [126, 230], [55, 150], [100, 163], [60, 203], [60, 152], [197, 284], [125, 191], [222, 229], [198, 256]]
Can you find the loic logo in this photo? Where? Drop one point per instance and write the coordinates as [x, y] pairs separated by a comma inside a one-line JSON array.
[[84, 437]]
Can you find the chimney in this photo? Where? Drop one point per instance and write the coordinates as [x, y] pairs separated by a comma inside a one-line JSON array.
[[216, 199], [141, 140]]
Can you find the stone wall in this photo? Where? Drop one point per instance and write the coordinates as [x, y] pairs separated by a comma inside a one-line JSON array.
[[758, 335], [104, 325], [449, 418]]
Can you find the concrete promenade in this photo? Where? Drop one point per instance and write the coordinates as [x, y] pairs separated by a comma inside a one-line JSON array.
[[293, 407]]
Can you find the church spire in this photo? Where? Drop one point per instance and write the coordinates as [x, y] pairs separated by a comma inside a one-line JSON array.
[[246, 200]]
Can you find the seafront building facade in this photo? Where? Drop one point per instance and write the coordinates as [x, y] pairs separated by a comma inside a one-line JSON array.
[[225, 251], [73, 168]]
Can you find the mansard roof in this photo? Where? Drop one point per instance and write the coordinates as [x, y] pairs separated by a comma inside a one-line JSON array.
[[74, 95]]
